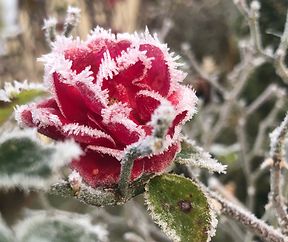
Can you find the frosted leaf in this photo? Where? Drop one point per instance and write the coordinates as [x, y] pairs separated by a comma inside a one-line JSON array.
[[193, 155], [26, 162], [180, 207], [12, 90], [42, 226], [3, 96]]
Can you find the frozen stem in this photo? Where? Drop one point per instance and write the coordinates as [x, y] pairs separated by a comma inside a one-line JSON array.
[[50, 29], [72, 19], [88, 195], [161, 121], [276, 153], [126, 167]]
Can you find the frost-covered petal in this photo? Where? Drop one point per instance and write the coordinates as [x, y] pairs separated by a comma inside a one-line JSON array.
[[123, 79], [158, 163], [87, 135], [184, 100], [101, 166], [146, 103], [69, 100], [94, 98], [125, 131], [158, 76], [45, 116], [97, 169], [118, 123]]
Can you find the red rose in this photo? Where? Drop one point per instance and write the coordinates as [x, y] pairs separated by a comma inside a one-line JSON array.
[[104, 91]]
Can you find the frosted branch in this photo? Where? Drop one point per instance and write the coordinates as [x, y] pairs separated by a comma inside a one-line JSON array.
[[213, 80], [280, 54], [255, 225], [270, 91], [277, 138], [252, 15]]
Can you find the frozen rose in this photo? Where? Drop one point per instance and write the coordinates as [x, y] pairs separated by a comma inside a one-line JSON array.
[[104, 92]]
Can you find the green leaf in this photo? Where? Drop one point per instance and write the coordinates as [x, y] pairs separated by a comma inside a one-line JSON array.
[[180, 207], [59, 227], [26, 162], [15, 94], [5, 233], [196, 156]]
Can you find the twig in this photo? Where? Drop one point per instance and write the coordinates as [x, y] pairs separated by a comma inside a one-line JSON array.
[[50, 29], [213, 80], [246, 163], [276, 153], [270, 91], [280, 54], [127, 164], [255, 225], [165, 29], [265, 123], [252, 16], [71, 20]]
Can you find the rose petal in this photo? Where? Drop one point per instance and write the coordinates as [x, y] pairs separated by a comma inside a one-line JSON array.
[[69, 100], [157, 77], [158, 163], [125, 132], [177, 121], [97, 169], [94, 98], [45, 116], [87, 135], [146, 103]]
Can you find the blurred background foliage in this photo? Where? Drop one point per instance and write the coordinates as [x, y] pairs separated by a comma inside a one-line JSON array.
[[212, 28]]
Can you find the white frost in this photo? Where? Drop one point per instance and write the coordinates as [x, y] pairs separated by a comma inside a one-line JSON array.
[[11, 90], [202, 159]]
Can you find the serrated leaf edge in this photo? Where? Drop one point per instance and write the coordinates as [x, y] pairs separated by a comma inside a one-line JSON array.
[[64, 153], [211, 164], [171, 233]]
